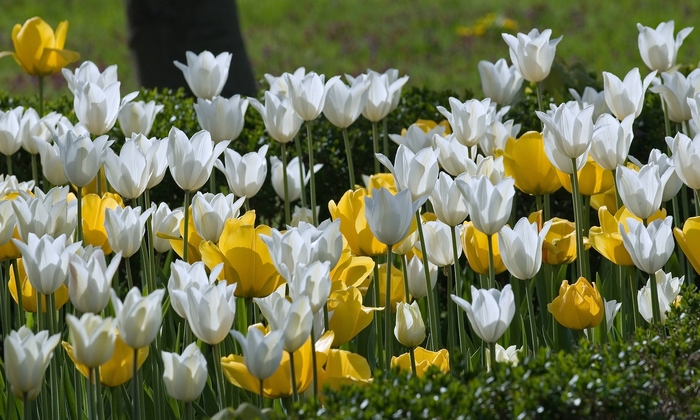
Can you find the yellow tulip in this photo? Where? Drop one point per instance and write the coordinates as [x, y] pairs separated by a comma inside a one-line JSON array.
[[344, 367], [119, 368], [525, 160], [246, 258], [350, 270], [559, 245], [427, 125], [9, 250], [592, 179], [193, 239], [377, 181], [91, 188], [353, 224], [688, 239], [279, 385], [606, 238], [94, 219], [607, 199], [424, 360], [475, 246], [29, 302], [38, 50], [578, 306], [398, 293], [349, 315]]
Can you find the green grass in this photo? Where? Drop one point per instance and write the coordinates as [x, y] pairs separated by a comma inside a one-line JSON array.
[[421, 37]]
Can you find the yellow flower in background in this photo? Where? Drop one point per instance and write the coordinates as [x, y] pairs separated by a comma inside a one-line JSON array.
[[525, 160], [560, 243], [424, 360], [94, 219], [398, 293], [279, 385], [377, 181], [246, 258], [350, 270], [119, 368], [353, 224], [349, 315], [592, 178], [193, 241], [607, 199], [29, 293], [427, 125], [343, 367], [688, 239], [476, 247], [606, 238], [578, 306], [9, 250], [38, 50]]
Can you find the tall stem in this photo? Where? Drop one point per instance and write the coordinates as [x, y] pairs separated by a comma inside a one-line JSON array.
[[388, 328], [294, 377], [578, 221], [98, 395], [212, 182], [451, 335], [309, 145], [285, 181], [189, 410], [92, 412], [492, 268], [129, 275], [385, 138], [539, 99], [302, 186], [136, 386], [314, 363], [8, 159], [348, 154], [185, 237], [655, 309], [375, 138], [432, 309], [79, 226], [20, 296], [697, 202], [51, 310], [26, 407], [220, 386], [377, 315], [41, 96], [35, 171], [411, 353], [531, 314], [150, 250], [492, 355]]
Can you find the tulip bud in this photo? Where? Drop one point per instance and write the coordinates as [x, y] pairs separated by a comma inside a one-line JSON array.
[[26, 358], [223, 118], [92, 338], [626, 97], [125, 228], [90, 280], [490, 312], [205, 74], [578, 306], [657, 46], [138, 318], [409, 328], [138, 117], [245, 174], [263, 353], [500, 82], [532, 54], [185, 375]]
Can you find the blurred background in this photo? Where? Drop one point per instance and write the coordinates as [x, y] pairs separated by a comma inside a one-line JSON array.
[[438, 43]]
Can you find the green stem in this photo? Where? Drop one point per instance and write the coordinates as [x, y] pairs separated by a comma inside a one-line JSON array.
[[51, 300], [189, 411], [432, 309], [377, 316], [388, 328], [79, 225], [220, 386], [655, 309], [150, 250], [385, 138], [212, 182], [348, 154], [314, 363], [92, 412], [492, 269], [262, 398], [309, 145], [8, 159], [295, 395], [375, 138], [632, 278], [98, 395], [301, 171], [41, 96], [492, 355], [539, 100], [531, 314], [451, 336], [129, 275], [578, 221], [136, 386], [287, 217], [26, 407], [413, 360], [696, 194], [35, 171], [18, 287], [185, 237], [404, 270]]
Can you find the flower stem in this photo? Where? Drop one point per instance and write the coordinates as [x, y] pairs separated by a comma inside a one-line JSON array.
[[578, 221], [136, 386], [8, 159], [492, 355], [388, 328], [377, 317], [348, 154], [295, 395], [539, 99], [531, 314], [189, 410], [309, 145], [92, 414], [129, 275], [220, 386], [314, 363], [375, 138], [98, 395], [212, 182], [451, 335], [20, 297], [492, 268], [655, 309], [385, 138], [413, 360], [432, 309], [301, 172], [697, 202], [185, 237], [26, 406], [79, 226], [287, 217], [35, 171]]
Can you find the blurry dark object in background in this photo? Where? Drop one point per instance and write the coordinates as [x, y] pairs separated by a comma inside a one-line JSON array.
[[161, 31]]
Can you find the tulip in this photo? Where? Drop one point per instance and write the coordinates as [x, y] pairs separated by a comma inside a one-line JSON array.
[[29, 295], [125, 228], [138, 318], [667, 171], [129, 172], [532, 54], [92, 338], [46, 261], [490, 312], [209, 309], [521, 248], [448, 202], [390, 216], [88, 72], [568, 134], [649, 246], [611, 310], [490, 167], [293, 319], [165, 222], [468, 120], [26, 358], [182, 275], [308, 93], [611, 141], [97, 108], [222, 118], [193, 238], [560, 242], [686, 159], [579, 306], [192, 160], [416, 277], [210, 211], [454, 157], [344, 104], [475, 246], [415, 138], [263, 353], [185, 375], [592, 179], [668, 289], [687, 238], [245, 174], [438, 242], [354, 224], [278, 85], [138, 117], [676, 91], [288, 250], [281, 121], [158, 159], [347, 314], [82, 157], [312, 281], [205, 74], [424, 359], [641, 192], [626, 97], [38, 49], [489, 205], [8, 223], [90, 280], [44, 214], [509, 355], [119, 368], [497, 135], [657, 46], [381, 94], [94, 208], [500, 82], [525, 160], [409, 328], [294, 184], [397, 292], [10, 139], [591, 97], [51, 164], [415, 172]]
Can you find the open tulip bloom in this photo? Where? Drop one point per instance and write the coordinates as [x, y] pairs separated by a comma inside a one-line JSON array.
[[490, 312], [205, 74], [533, 53], [657, 46]]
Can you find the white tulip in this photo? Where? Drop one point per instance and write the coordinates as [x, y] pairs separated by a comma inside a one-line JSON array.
[[626, 97], [182, 275], [281, 121], [138, 318], [192, 160], [415, 138], [657, 46], [88, 72], [205, 74], [185, 375], [245, 174], [222, 118], [97, 108], [137, 117], [125, 228], [500, 82], [90, 280], [533, 53], [293, 181], [92, 338], [490, 312], [26, 358], [263, 353], [210, 213], [468, 120], [82, 157], [46, 261], [344, 104]]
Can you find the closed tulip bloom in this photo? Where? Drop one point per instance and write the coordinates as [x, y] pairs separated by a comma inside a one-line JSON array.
[[92, 338], [500, 82], [676, 90], [210, 211], [570, 132], [668, 287], [381, 94], [354, 224], [409, 328], [454, 157], [263, 353], [155, 151], [611, 141], [490, 312], [438, 242], [26, 358], [560, 243], [415, 138], [521, 248], [192, 160], [205, 74], [129, 171], [686, 159], [657, 46], [281, 121], [416, 172], [532, 54], [82, 157], [222, 118], [38, 49], [293, 181], [348, 316], [287, 250], [51, 164], [468, 120], [10, 140], [98, 107], [90, 280], [525, 160], [390, 216], [344, 104], [245, 174], [424, 359], [667, 171], [88, 72], [641, 192], [182, 275], [138, 318], [294, 319], [308, 93], [489, 205], [416, 277], [185, 375], [138, 117], [578, 306], [210, 310], [497, 135], [449, 204], [312, 281], [626, 97], [649, 246], [46, 261], [165, 222], [687, 238], [591, 97], [94, 207], [125, 228], [475, 246], [278, 85]]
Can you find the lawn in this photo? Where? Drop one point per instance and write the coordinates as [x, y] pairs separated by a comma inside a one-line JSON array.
[[437, 42]]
